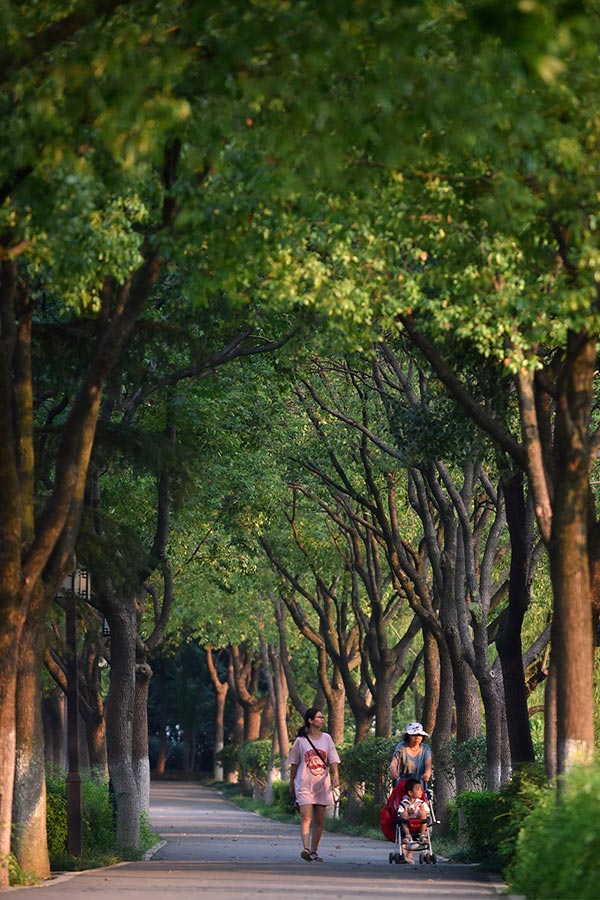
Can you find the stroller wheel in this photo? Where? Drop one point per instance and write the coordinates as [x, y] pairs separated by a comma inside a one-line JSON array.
[[433, 860], [421, 858], [391, 858]]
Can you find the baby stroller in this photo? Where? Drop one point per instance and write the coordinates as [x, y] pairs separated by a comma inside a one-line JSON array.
[[389, 821]]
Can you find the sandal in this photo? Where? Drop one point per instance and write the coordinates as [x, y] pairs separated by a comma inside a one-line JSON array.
[[315, 856], [307, 855]]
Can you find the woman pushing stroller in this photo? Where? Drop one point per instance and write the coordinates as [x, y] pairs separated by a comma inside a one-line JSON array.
[[408, 815]]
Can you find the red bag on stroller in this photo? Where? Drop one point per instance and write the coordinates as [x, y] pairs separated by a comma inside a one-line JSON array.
[[388, 814]]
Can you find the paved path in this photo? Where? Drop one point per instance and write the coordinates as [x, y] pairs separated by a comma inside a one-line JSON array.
[[216, 850]]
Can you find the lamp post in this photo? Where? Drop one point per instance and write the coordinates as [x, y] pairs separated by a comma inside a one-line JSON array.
[[76, 585]]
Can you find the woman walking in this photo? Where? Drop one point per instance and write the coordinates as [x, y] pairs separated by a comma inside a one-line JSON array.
[[313, 773]]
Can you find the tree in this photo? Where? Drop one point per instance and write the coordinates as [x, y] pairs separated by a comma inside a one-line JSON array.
[[480, 242], [88, 191]]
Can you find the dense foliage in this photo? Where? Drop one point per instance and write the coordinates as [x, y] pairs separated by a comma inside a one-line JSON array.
[[556, 852]]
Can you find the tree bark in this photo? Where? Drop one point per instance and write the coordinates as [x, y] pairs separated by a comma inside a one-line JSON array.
[[572, 635], [508, 641], [336, 706], [221, 690], [29, 800], [53, 716], [92, 707], [440, 738], [550, 723], [120, 711], [281, 699], [244, 680], [139, 744]]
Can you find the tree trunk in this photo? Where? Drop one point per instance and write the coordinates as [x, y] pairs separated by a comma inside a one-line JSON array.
[[281, 699], [468, 711], [386, 681], [221, 699], [53, 716], [440, 739], [140, 759], [91, 707], [243, 676], [508, 641], [238, 724], [120, 710], [30, 844], [433, 683], [562, 509], [550, 729], [572, 639], [9, 642], [491, 697], [252, 719], [267, 714], [336, 706], [362, 725], [221, 689]]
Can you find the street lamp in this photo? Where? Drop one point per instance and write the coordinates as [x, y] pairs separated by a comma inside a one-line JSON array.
[[75, 586]]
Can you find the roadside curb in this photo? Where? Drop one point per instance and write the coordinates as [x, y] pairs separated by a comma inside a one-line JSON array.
[[150, 853], [66, 876]]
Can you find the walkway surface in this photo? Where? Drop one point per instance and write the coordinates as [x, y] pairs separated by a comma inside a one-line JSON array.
[[216, 850]]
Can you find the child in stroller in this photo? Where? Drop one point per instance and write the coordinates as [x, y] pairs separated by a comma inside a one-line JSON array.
[[413, 816], [406, 820]]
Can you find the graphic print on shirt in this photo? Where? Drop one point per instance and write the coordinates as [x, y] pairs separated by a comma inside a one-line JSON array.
[[315, 762]]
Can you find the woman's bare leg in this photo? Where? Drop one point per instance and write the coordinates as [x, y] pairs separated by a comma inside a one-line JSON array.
[[305, 820], [318, 818]]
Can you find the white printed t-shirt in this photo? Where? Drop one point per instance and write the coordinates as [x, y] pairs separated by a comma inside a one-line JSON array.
[[411, 807], [312, 783]]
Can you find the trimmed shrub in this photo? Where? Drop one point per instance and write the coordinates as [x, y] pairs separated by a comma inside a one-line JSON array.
[[98, 817], [479, 811], [282, 799], [492, 821], [518, 797], [368, 763], [556, 852], [369, 811], [254, 759], [228, 756]]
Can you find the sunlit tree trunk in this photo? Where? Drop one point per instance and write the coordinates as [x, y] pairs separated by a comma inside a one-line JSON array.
[[336, 706], [140, 761], [221, 690], [29, 800], [559, 475]]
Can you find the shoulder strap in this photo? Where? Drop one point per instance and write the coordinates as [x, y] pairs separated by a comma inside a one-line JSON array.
[[314, 748], [403, 755]]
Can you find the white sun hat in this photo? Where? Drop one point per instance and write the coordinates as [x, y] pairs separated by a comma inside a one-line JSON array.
[[416, 728]]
